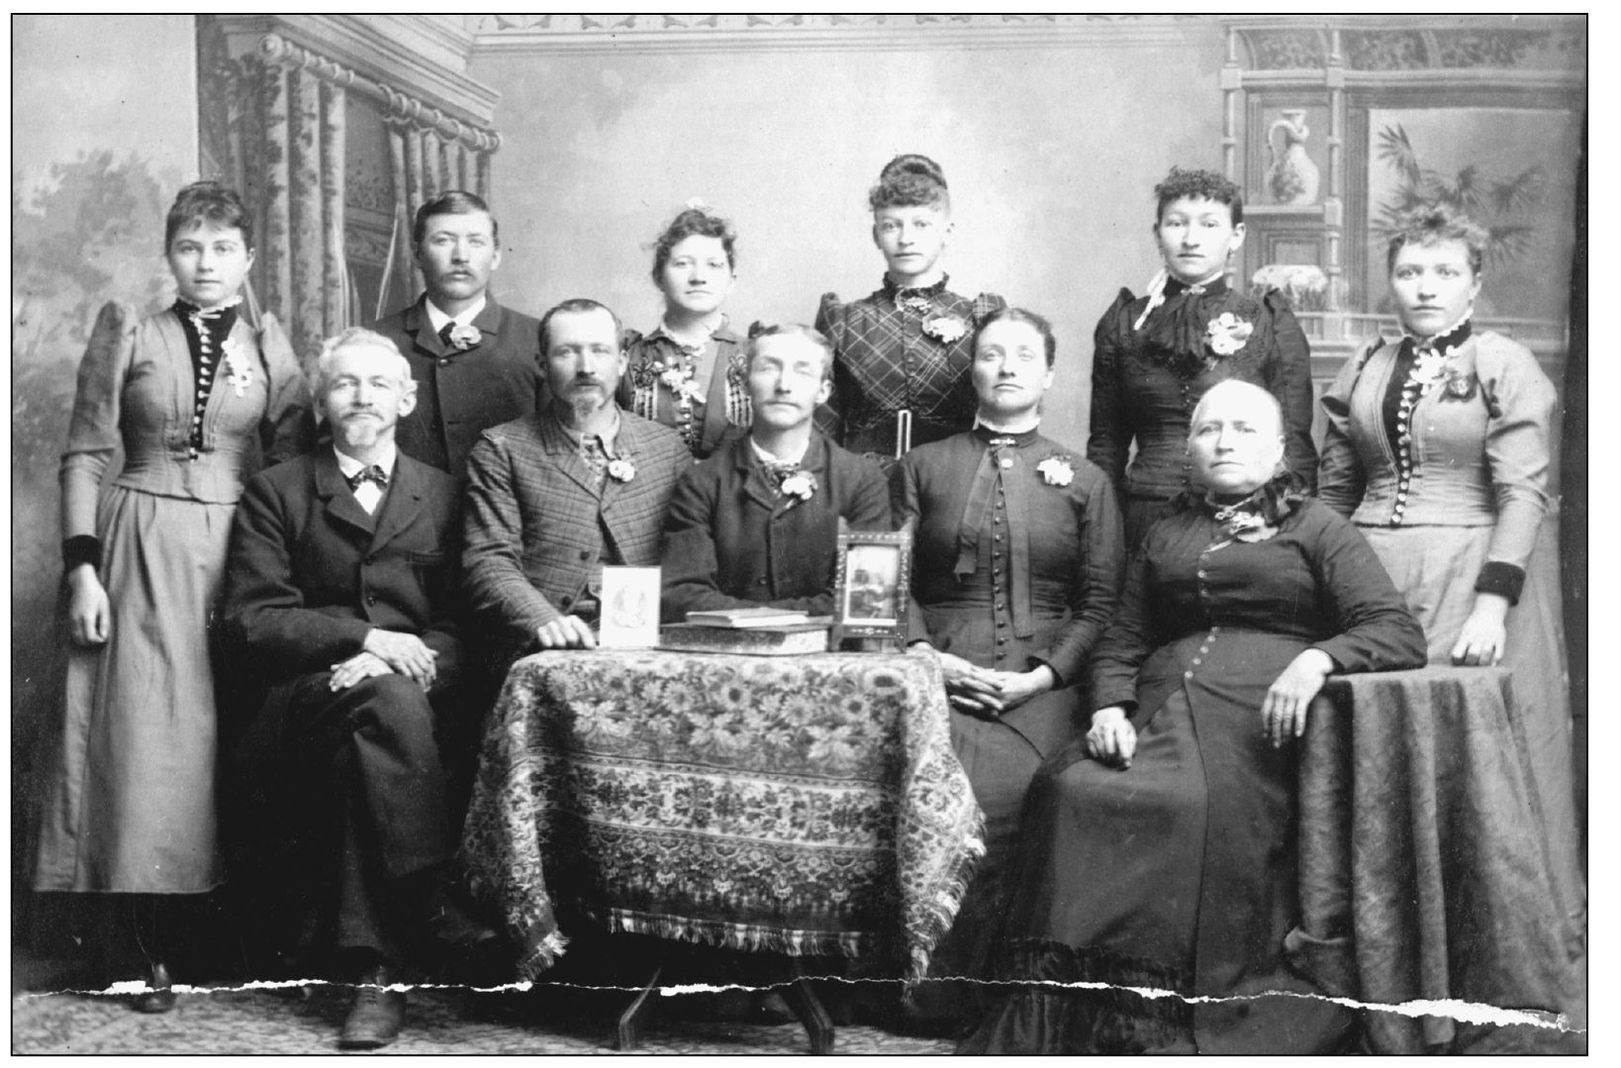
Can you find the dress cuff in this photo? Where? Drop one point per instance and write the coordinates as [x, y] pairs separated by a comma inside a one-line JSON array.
[[1503, 579], [81, 549]]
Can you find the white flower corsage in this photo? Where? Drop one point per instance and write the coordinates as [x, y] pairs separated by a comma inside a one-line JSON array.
[[1056, 470], [464, 336], [800, 484], [679, 382], [621, 469], [238, 365], [947, 328], [1227, 333]]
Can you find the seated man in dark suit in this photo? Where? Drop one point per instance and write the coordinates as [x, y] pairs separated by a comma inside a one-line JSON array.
[[553, 497], [475, 363], [339, 598], [758, 521]]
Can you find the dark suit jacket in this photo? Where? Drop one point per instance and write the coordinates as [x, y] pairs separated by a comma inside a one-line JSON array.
[[537, 530], [460, 394], [310, 572], [730, 543]]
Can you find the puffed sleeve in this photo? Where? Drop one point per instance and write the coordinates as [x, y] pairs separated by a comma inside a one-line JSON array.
[[1288, 378], [1110, 434], [93, 432], [1095, 590], [1340, 478], [1520, 402], [830, 324], [987, 304], [289, 427], [1374, 631]]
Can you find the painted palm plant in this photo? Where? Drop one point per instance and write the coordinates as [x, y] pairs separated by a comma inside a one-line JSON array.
[[1489, 200]]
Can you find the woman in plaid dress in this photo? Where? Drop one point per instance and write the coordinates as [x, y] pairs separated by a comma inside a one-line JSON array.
[[902, 354]]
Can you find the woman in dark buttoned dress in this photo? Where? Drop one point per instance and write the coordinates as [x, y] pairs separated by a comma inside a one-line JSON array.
[[1158, 851], [1017, 565]]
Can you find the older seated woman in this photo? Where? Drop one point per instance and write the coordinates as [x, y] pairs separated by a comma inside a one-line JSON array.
[[1158, 852], [1018, 562]]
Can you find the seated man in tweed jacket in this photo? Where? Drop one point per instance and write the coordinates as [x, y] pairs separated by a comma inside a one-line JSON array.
[[554, 496]]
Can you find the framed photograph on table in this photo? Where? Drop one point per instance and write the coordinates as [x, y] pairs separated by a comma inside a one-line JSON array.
[[874, 571]]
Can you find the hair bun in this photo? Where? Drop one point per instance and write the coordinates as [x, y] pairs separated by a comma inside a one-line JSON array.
[[909, 180], [909, 164]]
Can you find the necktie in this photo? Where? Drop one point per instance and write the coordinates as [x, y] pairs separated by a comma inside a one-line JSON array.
[[372, 473]]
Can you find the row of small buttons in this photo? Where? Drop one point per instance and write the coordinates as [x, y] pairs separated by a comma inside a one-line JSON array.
[[1203, 649], [998, 591]]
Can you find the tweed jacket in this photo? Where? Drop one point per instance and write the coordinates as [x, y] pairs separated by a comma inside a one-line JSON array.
[[310, 573], [537, 530], [730, 541], [460, 394]]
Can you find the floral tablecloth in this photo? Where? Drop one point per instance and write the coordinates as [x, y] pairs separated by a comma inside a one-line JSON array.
[[804, 805]]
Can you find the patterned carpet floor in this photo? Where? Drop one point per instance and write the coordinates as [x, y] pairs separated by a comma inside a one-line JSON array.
[[306, 1020]]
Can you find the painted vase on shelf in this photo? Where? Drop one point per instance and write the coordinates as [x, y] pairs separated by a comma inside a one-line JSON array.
[[1292, 177]]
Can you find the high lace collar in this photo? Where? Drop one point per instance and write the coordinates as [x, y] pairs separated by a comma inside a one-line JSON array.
[[1270, 502], [187, 308], [1018, 439], [895, 292], [1446, 342]]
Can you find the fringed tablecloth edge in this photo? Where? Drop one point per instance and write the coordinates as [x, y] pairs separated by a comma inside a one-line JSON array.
[[540, 953], [939, 915]]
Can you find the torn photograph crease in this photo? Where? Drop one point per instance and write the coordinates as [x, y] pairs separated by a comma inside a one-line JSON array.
[[886, 533]]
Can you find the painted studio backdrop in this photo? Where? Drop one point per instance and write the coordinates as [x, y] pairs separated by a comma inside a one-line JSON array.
[[588, 133]]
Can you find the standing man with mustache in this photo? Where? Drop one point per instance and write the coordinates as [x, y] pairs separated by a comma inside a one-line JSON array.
[[553, 497], [475, 363], [340, 601]]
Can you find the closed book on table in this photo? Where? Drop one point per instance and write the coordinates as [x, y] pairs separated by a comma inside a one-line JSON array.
[[810, 637], [764, 616]]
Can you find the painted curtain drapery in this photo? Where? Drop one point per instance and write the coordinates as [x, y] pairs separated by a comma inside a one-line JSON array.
[[274, 125]]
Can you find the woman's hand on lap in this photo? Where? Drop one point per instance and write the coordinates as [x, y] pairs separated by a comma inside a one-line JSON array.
[[1017, 687], [1112, 739], [970, 689]]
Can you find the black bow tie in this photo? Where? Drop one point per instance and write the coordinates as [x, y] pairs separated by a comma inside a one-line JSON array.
[[373, 473]]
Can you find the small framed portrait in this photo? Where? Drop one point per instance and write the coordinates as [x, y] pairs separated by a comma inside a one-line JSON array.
[[872, 591]]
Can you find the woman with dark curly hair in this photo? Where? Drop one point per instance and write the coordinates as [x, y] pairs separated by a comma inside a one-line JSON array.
[[1155, 355], [1440, 449], [183, 393], [690, 372], [902, 354]]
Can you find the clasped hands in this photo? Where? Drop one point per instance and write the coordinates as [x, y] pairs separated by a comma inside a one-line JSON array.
[[386, 652], [988, 693]]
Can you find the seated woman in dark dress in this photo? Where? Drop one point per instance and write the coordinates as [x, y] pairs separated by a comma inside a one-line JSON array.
[[1017, 567], [1159, 851]]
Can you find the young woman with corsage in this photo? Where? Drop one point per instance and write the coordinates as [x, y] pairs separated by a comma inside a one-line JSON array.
[[1155, 355]]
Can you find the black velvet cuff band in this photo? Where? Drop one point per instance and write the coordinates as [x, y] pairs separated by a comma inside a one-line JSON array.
[[1503, 579], [81, 549]]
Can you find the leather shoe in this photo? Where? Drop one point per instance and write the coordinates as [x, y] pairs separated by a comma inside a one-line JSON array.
[[378, 1014], [159, 995]]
